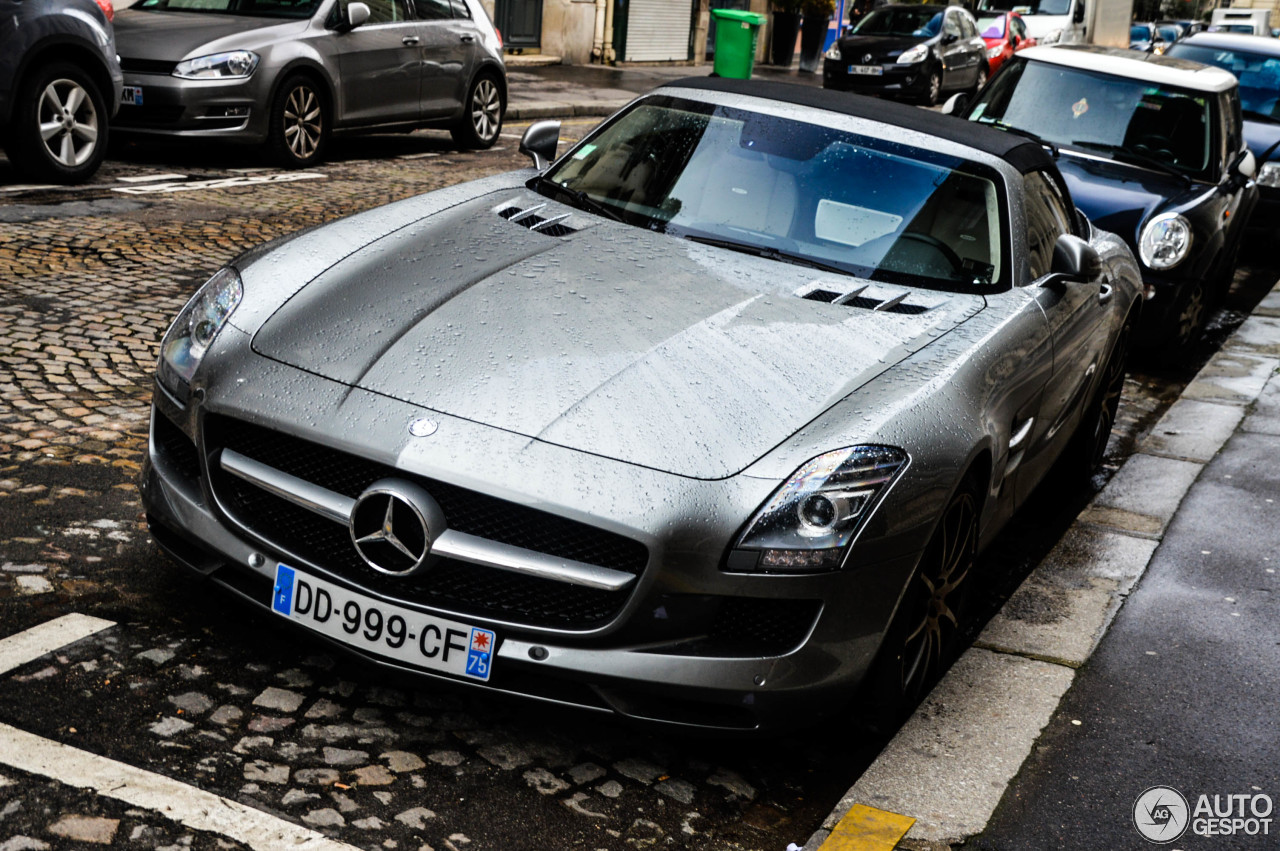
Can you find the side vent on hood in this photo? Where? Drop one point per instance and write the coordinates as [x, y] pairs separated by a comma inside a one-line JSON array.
[[880, 299], [529, 218]]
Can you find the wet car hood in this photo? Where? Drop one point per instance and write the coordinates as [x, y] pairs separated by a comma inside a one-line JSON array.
[[612, 340], [173, 36], [878, 46], [1119, 197]]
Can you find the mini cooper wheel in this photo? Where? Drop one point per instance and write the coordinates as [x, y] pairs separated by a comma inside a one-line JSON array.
[[925, 634], [481, 121], [300, 122], [1192, 311], [59, 131]]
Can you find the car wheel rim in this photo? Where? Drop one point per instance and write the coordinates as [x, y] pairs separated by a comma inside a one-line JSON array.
[[982, 79], [303, 122], [1192, 316], [68, 123], [936, 595], [486, 109], [935, 86]]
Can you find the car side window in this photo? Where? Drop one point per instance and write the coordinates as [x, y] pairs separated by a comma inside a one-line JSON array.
[[1019, 28], [460, 9], [950, 26], [432, 10], [387, 11], [968, 29], [1047, 219], [1235, 122]]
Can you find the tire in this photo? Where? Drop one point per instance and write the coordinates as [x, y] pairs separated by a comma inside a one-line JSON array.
[[483, 109], [1089, 445], [925, 635], [983, 74], [300, 123], [59, 132], [932, 89], [1188, 323]]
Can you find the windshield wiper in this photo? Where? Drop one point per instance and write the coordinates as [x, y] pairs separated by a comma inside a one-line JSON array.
[[577, 198], [1261, 116], [768, 253], [1009, 128], [1123, 154]]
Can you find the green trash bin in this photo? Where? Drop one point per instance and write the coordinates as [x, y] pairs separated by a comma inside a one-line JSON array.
[[736, 33]]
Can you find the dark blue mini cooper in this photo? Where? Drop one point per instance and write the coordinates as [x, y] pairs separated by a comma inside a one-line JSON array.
[[1153, 150]]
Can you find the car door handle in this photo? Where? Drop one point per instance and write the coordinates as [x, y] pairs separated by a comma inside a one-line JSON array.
[[468, 38], [409, 40], [1104, 293]]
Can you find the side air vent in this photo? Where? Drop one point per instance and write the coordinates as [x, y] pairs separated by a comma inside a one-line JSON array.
[[552, 226], [858, 299]]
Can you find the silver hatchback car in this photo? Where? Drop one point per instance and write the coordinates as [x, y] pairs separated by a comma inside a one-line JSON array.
[[291, 72]]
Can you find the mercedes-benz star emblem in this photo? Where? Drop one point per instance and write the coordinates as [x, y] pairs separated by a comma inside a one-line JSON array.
[[393, 524]]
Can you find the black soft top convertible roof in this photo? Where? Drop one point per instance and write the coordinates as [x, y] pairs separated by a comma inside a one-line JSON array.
[[1018, 151]]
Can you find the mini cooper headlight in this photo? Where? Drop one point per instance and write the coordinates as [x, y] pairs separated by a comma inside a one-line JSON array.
[[191, 334], [833, 53], [914, 54], [1269, 174], [1165, 241], [235, 64], [807, 523]]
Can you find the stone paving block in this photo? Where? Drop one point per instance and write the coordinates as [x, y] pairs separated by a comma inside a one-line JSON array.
[[1231, 376], [1264, 416], [950, 763], [94, 829], [1269, 306], [1192, 430], [1257, 335], [1143, 496]]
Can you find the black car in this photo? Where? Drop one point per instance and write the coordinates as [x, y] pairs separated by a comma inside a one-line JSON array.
[[909, 51], [59, 85], [1152, 149], [1255, 60]]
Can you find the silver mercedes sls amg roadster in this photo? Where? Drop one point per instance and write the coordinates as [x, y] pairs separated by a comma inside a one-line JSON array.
[[701, 423]]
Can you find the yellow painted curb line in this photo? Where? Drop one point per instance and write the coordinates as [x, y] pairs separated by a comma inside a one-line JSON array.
[[867, 829]]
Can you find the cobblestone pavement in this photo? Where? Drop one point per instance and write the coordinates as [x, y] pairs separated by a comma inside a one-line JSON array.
[[194, 686]]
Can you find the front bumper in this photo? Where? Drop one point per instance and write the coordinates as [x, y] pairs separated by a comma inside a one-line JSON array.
[[893, 79], [232, 110], [657, 660]]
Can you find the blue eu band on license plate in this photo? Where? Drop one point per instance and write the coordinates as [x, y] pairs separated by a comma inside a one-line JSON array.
[[384, 629], [131, 95]]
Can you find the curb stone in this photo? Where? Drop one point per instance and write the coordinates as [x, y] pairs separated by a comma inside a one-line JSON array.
[[951, 763]]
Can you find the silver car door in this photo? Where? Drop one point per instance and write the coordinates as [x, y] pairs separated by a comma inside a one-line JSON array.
[[448, 45], [379, 65]]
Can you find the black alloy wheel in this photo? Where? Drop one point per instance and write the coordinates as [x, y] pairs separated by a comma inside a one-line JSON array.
[[1192, 312], [481, 120], [300, 123], [60, 128]]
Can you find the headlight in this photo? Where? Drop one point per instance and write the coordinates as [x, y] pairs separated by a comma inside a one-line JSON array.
[[993, 52], [191, 334], [833, 53], [914, 54], [1269, 175], [226, 66], [1050, 38], [808, 522], [1165, 241]]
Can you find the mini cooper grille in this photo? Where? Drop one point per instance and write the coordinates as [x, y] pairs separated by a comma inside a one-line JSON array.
[[465, 588], [535, 223], [175, 447], [865, 303], [753, 626]]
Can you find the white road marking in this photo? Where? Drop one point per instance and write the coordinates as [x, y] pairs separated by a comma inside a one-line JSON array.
[[222, 182], [193, 808], [418, 156], [27, 187], [29, 645], [190, 806], [151, 178]]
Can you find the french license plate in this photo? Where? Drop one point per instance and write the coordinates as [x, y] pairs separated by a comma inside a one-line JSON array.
[[383, 629], [866, 70], [131, 95]]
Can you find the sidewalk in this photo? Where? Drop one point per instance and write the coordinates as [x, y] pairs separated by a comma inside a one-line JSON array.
[[1046, 732], [566, 91]]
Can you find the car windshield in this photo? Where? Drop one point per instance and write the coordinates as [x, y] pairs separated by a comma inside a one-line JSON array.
[[1139, 33], [1169, 33], [250, 8], [792, 191], [1024, 8], [920, 21], [1129, 120], [991, 27], [1259, 76]]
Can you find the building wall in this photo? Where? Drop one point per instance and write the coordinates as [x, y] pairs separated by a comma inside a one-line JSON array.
[[568, 29]]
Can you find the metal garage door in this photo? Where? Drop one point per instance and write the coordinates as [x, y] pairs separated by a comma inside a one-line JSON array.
[[658, 30]]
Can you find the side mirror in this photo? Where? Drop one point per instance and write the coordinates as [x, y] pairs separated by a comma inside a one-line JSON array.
[[956, 104], [1077, 15], [1074, 260], [1245, 165], [540, 142], [357, 14]]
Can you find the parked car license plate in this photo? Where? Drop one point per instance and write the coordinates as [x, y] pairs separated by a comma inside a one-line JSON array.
[[383, 629], [868, 70], [131, 95]]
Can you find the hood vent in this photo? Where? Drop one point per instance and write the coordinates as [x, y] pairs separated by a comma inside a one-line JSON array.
[[529, 218], [857, 297]]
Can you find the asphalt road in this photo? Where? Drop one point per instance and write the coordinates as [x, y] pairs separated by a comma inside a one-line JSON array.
[[194, 687]]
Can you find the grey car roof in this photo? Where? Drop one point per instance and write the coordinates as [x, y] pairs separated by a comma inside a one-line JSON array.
[[1020, 152], [1135, 65]]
